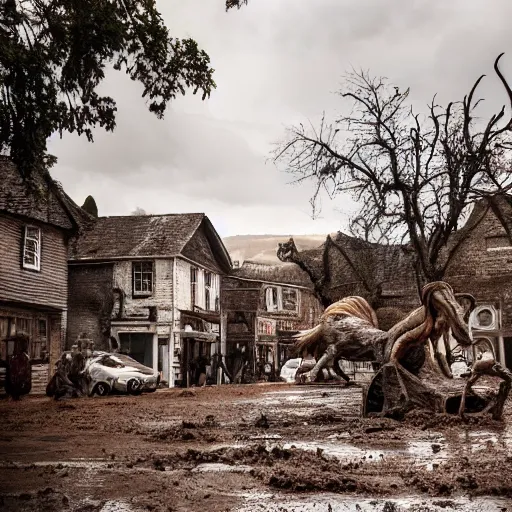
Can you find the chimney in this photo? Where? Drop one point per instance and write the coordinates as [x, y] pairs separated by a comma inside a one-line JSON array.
[[236, 264]]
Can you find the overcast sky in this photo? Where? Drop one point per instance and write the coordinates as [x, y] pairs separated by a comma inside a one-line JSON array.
[[277, 62]]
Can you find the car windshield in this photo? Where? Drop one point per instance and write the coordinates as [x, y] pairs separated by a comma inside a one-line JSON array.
[[111, 362]]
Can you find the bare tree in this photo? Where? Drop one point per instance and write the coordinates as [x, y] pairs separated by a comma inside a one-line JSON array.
[[360, 259], [415, 177], [230, 4]]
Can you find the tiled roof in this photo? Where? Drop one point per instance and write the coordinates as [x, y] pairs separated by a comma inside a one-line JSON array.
[[139, 236], [42, 200], [284, 273]]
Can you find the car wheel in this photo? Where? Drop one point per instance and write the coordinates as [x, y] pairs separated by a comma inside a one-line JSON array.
[[134, 387], [101, 389]]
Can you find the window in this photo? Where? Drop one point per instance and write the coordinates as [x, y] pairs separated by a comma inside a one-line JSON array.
[[281, 299], [193, 286], [484, 318], [271, 298], [143, 278], [32, 248], [207, 290], [289, 299], [38, 343]]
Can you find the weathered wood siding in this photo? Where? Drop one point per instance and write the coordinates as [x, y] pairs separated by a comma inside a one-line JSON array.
[[198, 249], [47, 287]]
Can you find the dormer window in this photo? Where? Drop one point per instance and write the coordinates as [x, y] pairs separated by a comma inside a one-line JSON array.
[[32, 248]]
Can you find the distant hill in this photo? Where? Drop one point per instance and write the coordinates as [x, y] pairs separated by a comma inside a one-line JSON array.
[[262, 248]]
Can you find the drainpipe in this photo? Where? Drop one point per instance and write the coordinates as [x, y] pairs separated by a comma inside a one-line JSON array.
[[171, 376]]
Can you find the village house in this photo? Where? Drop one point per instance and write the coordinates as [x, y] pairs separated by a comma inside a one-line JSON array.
[[263, 306], [149, 286], [384, 274], [482, 266], [36, 223]]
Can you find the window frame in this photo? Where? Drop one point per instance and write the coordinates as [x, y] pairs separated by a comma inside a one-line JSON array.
[[207, 290], [296, 293], [143, 293], [277, 305], [194, 275], [36, 266]]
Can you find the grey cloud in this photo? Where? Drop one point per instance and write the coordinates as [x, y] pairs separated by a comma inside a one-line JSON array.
[[277, 62]]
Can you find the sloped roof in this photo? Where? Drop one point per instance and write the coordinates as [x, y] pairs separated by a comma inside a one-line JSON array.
[[136, 236], [283, 273], [42, 200], [122, 237], [383, 261]]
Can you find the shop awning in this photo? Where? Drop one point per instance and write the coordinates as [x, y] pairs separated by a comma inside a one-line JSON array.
[[207, 316], [198, 335]]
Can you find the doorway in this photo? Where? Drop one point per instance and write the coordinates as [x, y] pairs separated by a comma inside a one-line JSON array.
[[139, 346], [508, 352]]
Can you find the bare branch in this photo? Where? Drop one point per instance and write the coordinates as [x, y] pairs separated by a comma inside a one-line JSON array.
[[413, 175]]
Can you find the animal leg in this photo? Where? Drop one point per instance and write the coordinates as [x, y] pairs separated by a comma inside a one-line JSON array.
[[442, 355], [505, 386], [474, 376], [339, 371], [322, 363]]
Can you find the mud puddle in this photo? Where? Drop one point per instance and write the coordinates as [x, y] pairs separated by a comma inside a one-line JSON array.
[[219, 467], [334, 503], [304, 402], [419, 453], [80, 463], [109, 506]]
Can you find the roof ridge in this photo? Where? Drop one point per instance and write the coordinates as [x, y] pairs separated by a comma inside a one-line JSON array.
[[150, 215]]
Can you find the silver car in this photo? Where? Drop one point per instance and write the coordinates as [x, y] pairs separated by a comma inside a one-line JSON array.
[[108, 373]]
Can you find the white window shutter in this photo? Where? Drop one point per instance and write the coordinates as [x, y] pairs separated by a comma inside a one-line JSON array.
[[201, 300], [279, 299], [269, 299]]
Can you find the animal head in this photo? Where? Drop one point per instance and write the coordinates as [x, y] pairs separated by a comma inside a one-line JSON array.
[[439, 299], [287, 251]]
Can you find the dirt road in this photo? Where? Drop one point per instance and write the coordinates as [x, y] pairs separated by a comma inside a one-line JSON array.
[[263, 447]]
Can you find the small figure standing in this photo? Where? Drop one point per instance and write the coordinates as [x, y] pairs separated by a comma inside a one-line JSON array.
[[18, 375]]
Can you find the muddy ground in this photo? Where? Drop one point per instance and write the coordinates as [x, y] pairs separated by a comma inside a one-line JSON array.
[[271, 447]]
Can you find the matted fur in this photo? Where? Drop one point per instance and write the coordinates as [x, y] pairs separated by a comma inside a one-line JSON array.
[[415, 328], [353, 306]]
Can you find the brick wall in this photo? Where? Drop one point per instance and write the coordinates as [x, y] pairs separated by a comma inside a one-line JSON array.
[[308, 314], [55, 339], [238, 295], [486, 274], [89, 303], [162, 289], [247, 296]]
